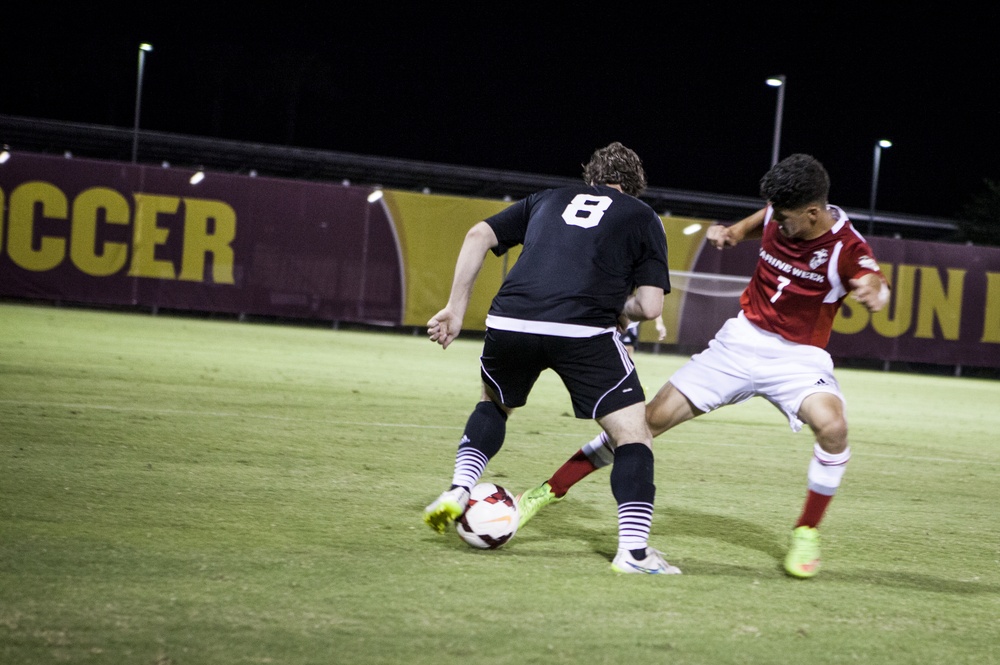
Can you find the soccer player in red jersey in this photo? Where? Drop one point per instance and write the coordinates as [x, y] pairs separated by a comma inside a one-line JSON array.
[[810, 259]]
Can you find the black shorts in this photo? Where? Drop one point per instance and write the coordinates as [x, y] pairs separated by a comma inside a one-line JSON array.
[[597, 371]]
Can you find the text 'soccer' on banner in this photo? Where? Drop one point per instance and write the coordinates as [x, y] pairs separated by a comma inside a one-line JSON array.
[[100, 232], [104, 232]]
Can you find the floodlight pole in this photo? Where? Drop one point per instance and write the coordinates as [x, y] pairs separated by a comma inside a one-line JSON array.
[[143, 48], [876, 161], [779, 83]]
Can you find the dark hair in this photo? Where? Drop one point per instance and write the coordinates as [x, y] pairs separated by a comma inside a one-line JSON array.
[[795, 181], [616, 165]]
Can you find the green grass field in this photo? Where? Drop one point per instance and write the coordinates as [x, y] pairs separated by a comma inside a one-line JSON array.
[[179, 490]]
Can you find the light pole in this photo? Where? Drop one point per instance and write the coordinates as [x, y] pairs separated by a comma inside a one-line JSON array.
[[879, 145], [143, 48], [779, 83]]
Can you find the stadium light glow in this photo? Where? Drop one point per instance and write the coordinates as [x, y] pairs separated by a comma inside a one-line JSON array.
[[880, 145], [779, 83], [143, 49]]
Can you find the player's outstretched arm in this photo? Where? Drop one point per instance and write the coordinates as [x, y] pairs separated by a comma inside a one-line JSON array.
[[444, 326], [720, 236]]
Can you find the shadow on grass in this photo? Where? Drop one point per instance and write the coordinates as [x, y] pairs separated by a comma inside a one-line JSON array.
[[569, 520], [904, 580], [579, 521], [731, 530]]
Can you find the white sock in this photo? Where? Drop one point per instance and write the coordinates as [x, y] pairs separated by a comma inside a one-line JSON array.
[[827, 470], [634, 522], [469, 466], [598, 451]]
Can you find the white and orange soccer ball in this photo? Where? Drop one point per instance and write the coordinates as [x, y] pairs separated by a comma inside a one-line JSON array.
[[491, 518]]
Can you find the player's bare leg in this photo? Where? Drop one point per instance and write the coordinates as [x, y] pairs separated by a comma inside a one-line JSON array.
[[669, 408], [824, 413]]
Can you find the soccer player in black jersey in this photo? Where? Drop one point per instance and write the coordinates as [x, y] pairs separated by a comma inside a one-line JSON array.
[[594, 258]]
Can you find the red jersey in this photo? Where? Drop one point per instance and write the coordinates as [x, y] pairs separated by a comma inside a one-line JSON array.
[[798, 285]]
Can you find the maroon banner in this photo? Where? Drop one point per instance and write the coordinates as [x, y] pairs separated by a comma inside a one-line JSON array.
[[945, 307], [103, 232]]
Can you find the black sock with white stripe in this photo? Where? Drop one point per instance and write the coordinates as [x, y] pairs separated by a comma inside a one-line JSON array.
[[633, 488], [484, 434]]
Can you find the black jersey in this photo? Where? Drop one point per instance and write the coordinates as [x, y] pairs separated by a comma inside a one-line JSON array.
[[586, 248]]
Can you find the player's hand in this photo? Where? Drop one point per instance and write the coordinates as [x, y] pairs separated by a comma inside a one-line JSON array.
[[444, 327], [661, 330], [719, 236], [870, 291], [623, 323]]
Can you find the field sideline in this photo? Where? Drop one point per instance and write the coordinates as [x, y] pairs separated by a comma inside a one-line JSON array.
[[179, 490]]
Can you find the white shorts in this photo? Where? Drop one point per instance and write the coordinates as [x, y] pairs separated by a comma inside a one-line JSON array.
[[744, 361]]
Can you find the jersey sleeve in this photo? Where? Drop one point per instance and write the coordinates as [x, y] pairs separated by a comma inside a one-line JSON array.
[[510, 225], [651, 268], [858, 260]]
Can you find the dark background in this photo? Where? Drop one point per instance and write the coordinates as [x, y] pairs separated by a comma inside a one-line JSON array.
[[523, 87]]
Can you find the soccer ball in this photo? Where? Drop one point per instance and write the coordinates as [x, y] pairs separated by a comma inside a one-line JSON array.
[[491, 518]]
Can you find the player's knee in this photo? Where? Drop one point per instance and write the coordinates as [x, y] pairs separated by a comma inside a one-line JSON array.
[[629, 430], [657, 415], [634, 432], [832, 436], [493, 408], [668, 408]]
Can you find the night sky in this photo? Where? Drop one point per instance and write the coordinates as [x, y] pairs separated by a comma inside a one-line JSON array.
[[523, 88]]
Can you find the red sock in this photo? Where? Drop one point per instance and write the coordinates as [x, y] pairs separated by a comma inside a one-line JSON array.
[[813, 511], [575, 469]]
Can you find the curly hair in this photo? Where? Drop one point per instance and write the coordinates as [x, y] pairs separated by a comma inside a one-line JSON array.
[[795, 181], [616, 165]]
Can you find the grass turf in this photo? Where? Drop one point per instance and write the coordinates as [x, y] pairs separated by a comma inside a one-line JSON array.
[[183, 490]]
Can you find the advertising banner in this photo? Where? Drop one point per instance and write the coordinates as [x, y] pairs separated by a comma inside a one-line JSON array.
[[101, 232]]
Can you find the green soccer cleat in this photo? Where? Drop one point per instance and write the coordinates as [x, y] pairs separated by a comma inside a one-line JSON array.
[[446, 509], [530, 502], [802, 560]]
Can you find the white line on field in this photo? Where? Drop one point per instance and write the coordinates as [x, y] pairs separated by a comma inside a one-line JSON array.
[[215, 414], [226, 414]]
